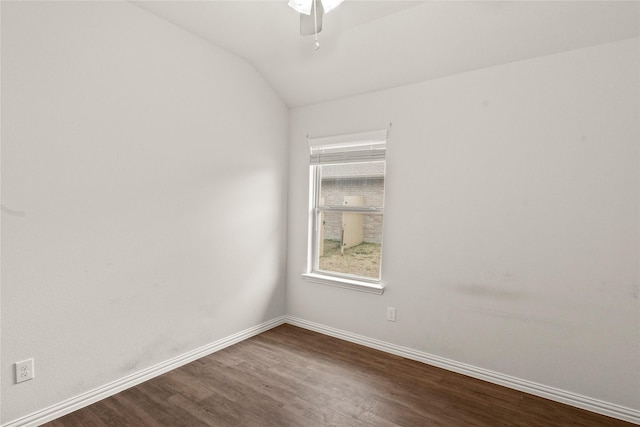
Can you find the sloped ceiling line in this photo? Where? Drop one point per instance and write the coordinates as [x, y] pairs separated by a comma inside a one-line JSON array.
[[374, 45]]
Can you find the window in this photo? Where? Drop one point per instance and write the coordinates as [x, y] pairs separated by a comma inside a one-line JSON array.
[[347, 175]]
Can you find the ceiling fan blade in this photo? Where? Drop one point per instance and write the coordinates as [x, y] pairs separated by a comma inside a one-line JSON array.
[[308, 22]]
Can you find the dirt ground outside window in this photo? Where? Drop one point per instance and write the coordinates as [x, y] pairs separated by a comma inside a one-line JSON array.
[[360, 260]]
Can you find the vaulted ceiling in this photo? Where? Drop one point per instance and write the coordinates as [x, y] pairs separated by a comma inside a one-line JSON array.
[[374, 45]]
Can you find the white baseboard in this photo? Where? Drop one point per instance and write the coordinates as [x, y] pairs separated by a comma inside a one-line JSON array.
[[551, 393], [85, 399]]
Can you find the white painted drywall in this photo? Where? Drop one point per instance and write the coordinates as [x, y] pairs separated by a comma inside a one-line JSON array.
[[511, 235], [144, 177]]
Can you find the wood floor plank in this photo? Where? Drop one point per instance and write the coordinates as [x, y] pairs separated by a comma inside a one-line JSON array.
[[290, 376]]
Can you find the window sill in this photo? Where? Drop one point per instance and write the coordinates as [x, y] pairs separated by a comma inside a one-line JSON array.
[[354, 285]]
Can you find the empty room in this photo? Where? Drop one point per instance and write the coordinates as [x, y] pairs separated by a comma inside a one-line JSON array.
[[320, 212]]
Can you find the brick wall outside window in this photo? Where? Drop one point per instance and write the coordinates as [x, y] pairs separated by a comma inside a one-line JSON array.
[[333, 192]]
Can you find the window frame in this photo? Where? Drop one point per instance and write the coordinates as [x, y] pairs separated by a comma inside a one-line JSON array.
[[313, 272]]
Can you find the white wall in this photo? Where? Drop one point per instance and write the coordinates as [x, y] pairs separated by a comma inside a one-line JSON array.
[[511, 237], [144, 196]]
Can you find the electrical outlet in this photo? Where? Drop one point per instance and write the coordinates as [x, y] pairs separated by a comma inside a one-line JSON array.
[[24, 370], [391, 314]]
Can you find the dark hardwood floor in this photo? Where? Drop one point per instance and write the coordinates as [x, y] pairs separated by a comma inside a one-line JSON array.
[[289, 376]]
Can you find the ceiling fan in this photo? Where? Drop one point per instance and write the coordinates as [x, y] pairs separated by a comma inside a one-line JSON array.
[[311, 13]]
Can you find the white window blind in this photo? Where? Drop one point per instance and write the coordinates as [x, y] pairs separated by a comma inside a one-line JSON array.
[[352, 148]]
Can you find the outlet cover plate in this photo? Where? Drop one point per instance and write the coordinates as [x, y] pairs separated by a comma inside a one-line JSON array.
[[391, 314], [24, 370]]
